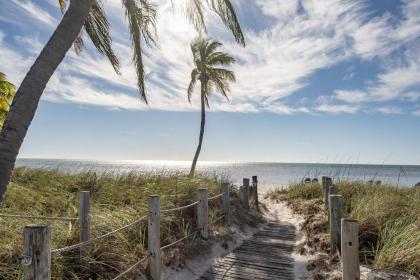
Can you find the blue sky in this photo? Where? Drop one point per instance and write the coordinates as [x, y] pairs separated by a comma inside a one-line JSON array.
[[319, 81]]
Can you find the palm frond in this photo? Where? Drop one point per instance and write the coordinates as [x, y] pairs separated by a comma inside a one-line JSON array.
[[62, 4], [4, 105], [214, 78], [78, 44], [223, 74], [222, 87], [194, 78], [7, 89], [226, 12], [196, 46], [223, 8], [207, 95], [7, 93], [220, 58], [195, 14], [212, 46], [142, 24], [97, 28]]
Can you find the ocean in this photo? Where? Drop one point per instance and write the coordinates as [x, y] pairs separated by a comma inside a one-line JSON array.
[[269, 174]]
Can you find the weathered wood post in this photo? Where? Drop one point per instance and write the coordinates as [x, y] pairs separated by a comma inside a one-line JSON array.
[[327, 184], [153, 230], [203, 213], [226, 202], [335, 213], [37, 252], [84, 221], [245, 193], [255, 189], [350, 249], [331, 190]]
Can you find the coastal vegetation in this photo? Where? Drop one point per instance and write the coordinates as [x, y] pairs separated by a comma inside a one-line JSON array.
[[7, 92], [208, 70], [116, 200], [88, 16], [388, 216]]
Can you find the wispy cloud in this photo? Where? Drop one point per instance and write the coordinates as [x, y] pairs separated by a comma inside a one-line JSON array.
[[34, 11], [390, 110], [280, 59], [337, 108]]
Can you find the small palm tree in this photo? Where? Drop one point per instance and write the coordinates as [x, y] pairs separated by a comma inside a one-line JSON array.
[[208, 70], [7, 92], [88, 16]]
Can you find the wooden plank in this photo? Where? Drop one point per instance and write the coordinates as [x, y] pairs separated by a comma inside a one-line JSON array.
[[267, 255], [153, 229], [350, 249], [84, 220], [37, 247]]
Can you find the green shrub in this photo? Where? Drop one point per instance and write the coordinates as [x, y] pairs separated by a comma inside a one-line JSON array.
[[115, 201]]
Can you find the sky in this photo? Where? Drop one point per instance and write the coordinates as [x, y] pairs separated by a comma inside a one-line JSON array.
[[318, 81]]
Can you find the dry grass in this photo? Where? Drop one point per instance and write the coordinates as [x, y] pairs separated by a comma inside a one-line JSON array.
[[389, 219], [115, 201]]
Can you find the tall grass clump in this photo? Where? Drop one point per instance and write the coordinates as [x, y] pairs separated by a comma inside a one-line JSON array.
[[116, 199], [388, 216]]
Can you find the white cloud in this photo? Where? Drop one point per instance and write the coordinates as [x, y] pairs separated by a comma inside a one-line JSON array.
[[337, 108], [286, 110], [390, 110], [34, 11], [304, 36], [350, 96], [396, 82], [411, 96], [13, 64]]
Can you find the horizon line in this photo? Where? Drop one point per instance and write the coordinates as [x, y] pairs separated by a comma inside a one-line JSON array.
[[214, 161]]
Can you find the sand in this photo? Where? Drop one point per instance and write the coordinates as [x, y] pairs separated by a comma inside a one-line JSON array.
[[277, 211]]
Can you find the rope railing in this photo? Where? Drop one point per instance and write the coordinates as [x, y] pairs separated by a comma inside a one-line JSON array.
[[28, 217], [216, 196], [147, 256], [179, 208], [131, 267], [153, 228], [179, 240], [87, 242]]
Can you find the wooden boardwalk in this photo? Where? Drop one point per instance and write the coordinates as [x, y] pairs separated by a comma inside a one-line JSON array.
[[266, 256]]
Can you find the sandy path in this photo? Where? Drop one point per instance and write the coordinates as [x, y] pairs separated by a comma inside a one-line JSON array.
[[277, 212]]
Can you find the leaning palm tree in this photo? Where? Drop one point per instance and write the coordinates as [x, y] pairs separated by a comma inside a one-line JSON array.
[[208, 70], [88, 16], [7, 92]]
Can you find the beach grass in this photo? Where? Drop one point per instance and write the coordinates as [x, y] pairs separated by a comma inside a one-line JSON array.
[[116, 200], [388, 216]]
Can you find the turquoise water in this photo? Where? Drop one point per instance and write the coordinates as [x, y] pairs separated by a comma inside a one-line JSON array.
[[269, 174]]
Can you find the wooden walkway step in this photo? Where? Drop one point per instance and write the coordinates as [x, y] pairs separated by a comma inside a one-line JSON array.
[[266, 256]]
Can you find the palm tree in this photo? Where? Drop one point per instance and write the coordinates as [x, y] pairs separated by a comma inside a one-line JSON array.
[[208, 70], [89, 15], [7, 92]]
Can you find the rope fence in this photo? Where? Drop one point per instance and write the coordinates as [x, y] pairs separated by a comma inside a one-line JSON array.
[[179, 240], [216, 196], [179, 208], [344, 233], [85, 243], [39, 236], [131, 267]]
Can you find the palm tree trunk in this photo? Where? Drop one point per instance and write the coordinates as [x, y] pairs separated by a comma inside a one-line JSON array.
[[203, 122], [29, 93]]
